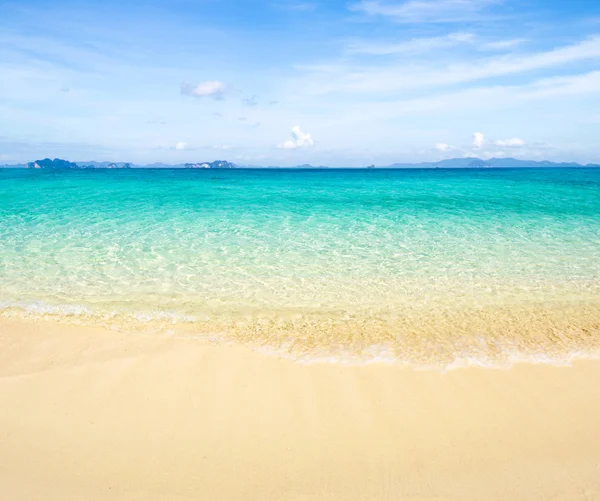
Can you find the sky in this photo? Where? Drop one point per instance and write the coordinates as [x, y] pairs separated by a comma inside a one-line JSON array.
[[289, 82]]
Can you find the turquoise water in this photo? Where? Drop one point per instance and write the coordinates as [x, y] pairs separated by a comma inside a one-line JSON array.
[[309, 258]]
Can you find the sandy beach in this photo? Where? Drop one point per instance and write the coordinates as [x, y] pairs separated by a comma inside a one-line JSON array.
[[98, 415]]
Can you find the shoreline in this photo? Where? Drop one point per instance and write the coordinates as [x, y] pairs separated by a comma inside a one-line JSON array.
[[95, 414], [554, 333]]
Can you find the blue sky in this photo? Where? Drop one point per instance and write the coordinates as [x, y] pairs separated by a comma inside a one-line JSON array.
[[286, 82]]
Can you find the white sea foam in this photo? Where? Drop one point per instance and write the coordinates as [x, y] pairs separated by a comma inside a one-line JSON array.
[[385, 355], [166, 316], [39, 307]]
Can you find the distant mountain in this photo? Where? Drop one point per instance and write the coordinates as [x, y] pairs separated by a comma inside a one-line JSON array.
[[478, 163], [57, 163], [104, 165], [217, 164]]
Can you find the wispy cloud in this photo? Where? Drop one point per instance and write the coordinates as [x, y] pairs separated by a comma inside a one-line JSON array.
[[477, 144], [502, 44], [424, 11], [487, 98], [423, 45], [210, 88], [415, 45], [513, 142], [398, 77]]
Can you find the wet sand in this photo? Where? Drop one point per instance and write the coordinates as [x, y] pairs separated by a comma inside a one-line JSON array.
[[88, 413]]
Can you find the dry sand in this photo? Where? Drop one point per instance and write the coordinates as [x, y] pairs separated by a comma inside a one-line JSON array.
[[89, 414]]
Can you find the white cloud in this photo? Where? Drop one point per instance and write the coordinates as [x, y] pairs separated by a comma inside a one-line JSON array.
[[503, 44], [387, 77], [485, 98], [478, 140], [415, 45], [181, 145], [210, 88], [514, 142], [300, 140], [420, 11], [430, 44]]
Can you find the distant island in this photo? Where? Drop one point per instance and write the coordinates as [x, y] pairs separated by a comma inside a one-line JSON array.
[[478, 163], [217, 164], [58, 163], [452, 163]]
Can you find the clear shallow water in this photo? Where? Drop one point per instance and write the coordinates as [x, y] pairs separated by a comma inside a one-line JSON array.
[[419, 265]]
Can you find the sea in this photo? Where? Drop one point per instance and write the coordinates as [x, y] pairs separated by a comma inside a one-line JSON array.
[[431, 268]]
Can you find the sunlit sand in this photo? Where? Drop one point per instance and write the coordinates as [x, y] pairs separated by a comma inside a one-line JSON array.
[[98, 415]]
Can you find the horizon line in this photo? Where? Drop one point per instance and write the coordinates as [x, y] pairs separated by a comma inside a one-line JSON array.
[[474, 162]]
